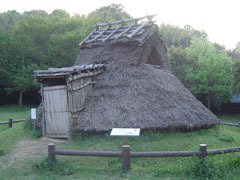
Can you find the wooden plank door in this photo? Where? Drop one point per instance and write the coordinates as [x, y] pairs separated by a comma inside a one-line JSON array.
[[56, 111]]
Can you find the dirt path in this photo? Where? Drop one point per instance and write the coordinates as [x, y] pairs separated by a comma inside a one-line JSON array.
[[29, 149]]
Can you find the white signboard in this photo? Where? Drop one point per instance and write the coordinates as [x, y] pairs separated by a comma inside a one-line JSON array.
[[125, 132], [33, 113]]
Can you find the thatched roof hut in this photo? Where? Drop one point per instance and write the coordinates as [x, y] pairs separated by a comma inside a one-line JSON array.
[[137, 88]]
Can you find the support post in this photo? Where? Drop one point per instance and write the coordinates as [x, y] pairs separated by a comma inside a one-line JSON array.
[[202, 152], [10, 123], [34, 125], [125, 140], [126, 157], [51, 153]]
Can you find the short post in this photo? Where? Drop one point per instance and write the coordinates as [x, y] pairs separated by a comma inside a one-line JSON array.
[[51, 153], [202, 152], [125, 140], [126, 157], [238, 124], [10, 123]]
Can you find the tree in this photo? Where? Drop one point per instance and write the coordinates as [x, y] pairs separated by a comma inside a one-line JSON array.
[[179, 61], [109, 13], [176, 36], [24, 81], [60, 13], [7, 64], [8, 20], [236, 69], [40, 13], [212, 72]]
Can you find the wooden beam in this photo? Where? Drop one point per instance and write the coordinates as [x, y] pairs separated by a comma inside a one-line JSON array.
[[138, 29], [125, 31], [114, 31], [97, 36], [75, 77], [83, 86], [86, 38]]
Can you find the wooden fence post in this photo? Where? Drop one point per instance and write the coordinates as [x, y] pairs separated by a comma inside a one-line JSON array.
[[51, 153], [10, 123], [126, 157], [202, 152]]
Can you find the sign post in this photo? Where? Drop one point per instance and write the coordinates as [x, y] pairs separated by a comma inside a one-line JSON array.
[[125, 133], [34, 117]]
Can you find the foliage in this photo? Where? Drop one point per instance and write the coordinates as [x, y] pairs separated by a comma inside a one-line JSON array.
[[40, 13], [36, 38], [24, 79], [109, 13], [8, 20], [236, 80], [179, 61], [212, 71], [38, 41], [60, 13], [177, 40], [180, 37], [6, 62], [235, 54]]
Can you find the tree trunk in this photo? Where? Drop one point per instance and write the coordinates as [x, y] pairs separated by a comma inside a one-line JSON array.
[[20, 101], [209, 100]]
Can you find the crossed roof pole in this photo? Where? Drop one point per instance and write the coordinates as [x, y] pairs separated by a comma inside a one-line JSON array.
[[118, 29]]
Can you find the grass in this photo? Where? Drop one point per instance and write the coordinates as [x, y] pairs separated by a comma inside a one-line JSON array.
[[10, 136], [216, 167]]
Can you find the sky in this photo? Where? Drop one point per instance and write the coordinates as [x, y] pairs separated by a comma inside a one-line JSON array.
[[219, 18]]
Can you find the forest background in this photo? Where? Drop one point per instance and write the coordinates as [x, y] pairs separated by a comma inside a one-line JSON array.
[[38, 40]]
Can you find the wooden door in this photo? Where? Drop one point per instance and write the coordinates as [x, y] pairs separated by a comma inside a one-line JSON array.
[[56, 111]]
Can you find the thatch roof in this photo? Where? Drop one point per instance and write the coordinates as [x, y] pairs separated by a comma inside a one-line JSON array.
[[137, 89]]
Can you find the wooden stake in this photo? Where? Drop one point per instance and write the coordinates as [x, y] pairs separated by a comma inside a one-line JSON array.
[[125, 140], [10, 123], [202, 152], [51, 153], [126, 157]]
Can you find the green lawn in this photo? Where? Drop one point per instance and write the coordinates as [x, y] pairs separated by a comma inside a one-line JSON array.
[[216, 167], [10, 136]]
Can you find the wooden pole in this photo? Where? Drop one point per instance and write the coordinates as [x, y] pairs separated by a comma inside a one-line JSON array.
[[125, 140], [10, 123], [126, 157], [51, 153], [202, 152], [34, 126]]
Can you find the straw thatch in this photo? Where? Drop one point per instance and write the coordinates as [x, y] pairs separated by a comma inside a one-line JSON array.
[[137, 89]]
